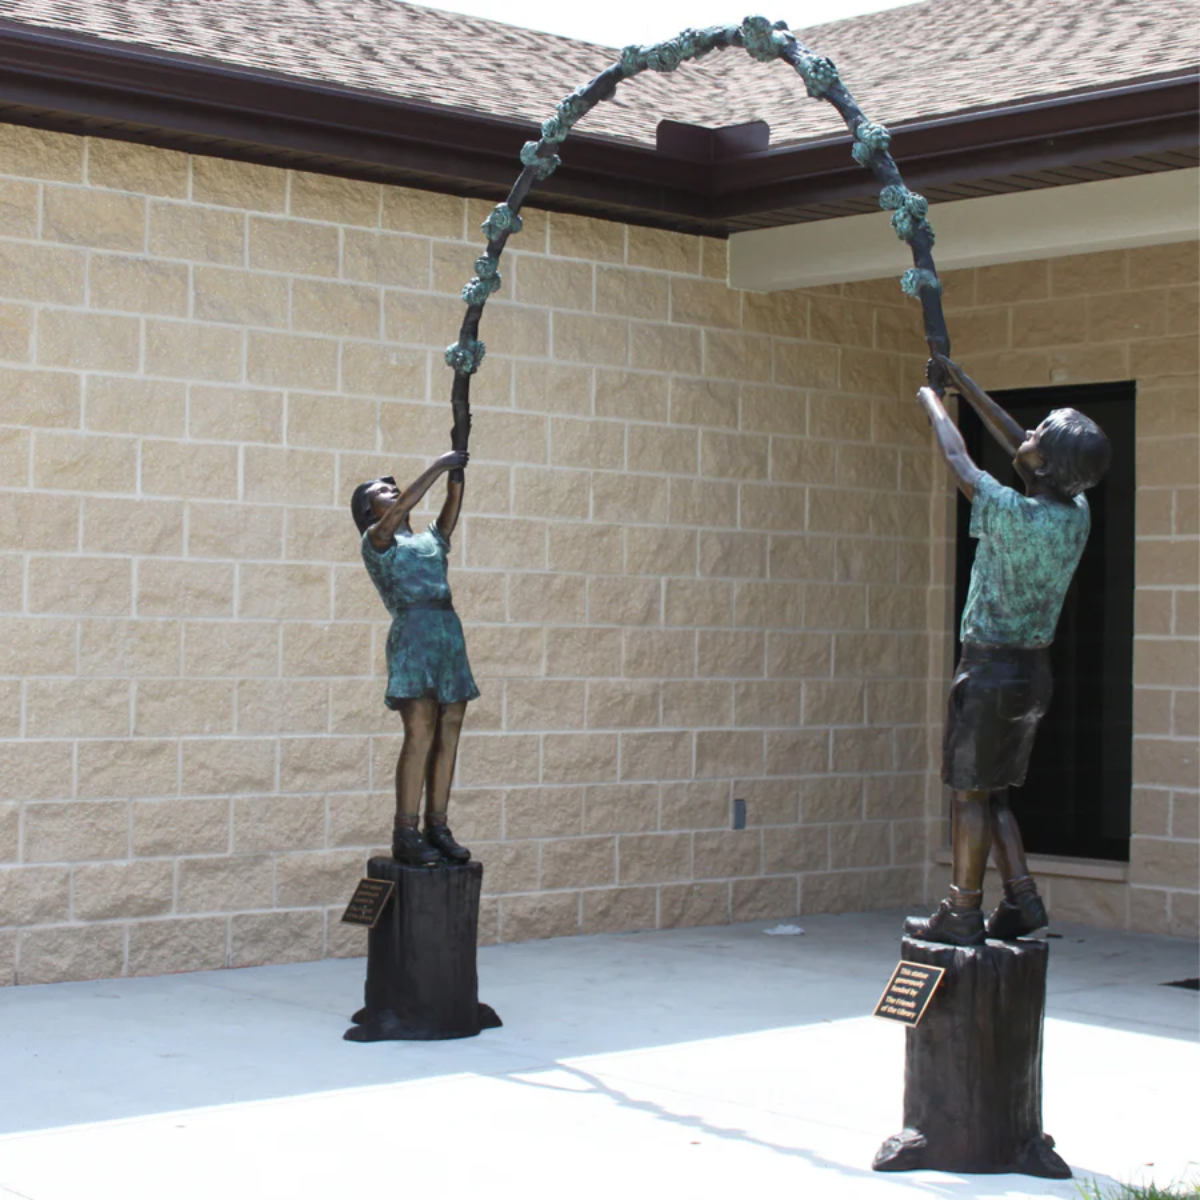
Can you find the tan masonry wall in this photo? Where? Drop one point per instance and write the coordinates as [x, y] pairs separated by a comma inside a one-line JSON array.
[[1090, 319], [694, 566]]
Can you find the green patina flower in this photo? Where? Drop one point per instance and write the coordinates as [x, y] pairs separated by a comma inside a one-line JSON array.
[[710, 37], [465, 359], [868, 138], [692, 43], [666, 56], [486, 281], [917, 279], [478, 290], [544, 165], [555, 129], [763, 39], [501, 220], [571, 108], [909, 210], [633, 60], [818, 72]]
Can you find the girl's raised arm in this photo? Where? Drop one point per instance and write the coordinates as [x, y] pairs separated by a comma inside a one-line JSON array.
[[448, 517], [382, 532]]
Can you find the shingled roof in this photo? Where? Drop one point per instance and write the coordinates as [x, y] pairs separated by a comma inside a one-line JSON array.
[[991, 96], [928, 59]]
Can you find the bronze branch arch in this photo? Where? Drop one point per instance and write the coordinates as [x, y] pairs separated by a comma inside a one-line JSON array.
[[763, 41]]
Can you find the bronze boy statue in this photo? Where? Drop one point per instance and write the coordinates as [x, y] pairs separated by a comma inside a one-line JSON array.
[[429, 678], [1029, 547]]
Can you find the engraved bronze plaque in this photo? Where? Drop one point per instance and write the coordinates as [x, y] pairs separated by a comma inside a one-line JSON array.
[[368, 902], [909, 992]]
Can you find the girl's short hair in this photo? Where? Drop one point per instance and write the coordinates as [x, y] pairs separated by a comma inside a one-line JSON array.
[[1075, 451], [360, 503]]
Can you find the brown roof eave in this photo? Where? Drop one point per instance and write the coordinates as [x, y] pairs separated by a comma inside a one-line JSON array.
[[103, 88], [1148, 117]]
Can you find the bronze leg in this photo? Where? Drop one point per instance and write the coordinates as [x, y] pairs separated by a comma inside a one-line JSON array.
[[420, 719], [1007, 845], [440, 771], [972, 840]]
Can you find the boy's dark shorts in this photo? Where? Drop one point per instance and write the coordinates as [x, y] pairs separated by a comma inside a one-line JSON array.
[[999, 695]]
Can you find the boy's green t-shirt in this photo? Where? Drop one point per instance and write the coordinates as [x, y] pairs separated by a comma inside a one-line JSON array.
[[1029, 547]]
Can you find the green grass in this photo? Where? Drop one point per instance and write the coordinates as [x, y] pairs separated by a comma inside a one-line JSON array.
[[1133, 1191]]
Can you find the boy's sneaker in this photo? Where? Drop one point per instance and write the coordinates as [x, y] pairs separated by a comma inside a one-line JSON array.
[[1019, 914], [410, 848], [442, 840], [949, 925]]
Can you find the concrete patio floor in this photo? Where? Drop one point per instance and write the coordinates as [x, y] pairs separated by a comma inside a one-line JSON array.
[[698, 1063]]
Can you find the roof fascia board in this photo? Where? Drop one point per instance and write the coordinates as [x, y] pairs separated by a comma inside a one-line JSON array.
[[95, 78], [82, 84], [1111, 214], [1053, 152], [992, 130]]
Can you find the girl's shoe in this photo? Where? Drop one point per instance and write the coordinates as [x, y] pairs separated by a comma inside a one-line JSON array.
[[410, 848], [442, 840]]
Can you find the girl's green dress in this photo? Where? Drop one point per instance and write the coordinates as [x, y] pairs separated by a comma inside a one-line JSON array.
[[426, 653]]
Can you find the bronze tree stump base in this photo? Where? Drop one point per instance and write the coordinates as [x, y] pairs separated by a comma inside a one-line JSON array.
[[973, 1066], [422, 983]]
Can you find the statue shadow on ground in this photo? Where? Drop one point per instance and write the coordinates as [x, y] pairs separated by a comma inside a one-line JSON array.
[[936, 1183]]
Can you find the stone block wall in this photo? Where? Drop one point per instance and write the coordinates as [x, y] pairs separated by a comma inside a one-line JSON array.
[[694, 566], [1119, 315]]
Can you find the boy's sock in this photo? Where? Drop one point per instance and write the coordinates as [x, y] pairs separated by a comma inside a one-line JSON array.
[[964, 900]]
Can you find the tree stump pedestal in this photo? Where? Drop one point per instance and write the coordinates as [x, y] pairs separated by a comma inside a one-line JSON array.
[[973, 1066], [422, 983]]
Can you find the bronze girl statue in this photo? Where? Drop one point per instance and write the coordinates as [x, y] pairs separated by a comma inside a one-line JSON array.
[[429, 678]]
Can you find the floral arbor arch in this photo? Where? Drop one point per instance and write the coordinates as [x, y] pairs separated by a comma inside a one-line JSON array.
[[763, 41]]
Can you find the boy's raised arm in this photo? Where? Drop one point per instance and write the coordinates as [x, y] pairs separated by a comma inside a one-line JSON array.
[[999, 424], [950, 442]]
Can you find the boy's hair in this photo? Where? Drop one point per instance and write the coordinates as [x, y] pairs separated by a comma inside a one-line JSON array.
[[1075, 450], [360, 503]]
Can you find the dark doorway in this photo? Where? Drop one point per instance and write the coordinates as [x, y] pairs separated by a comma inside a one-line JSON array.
[[1075, 800]]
